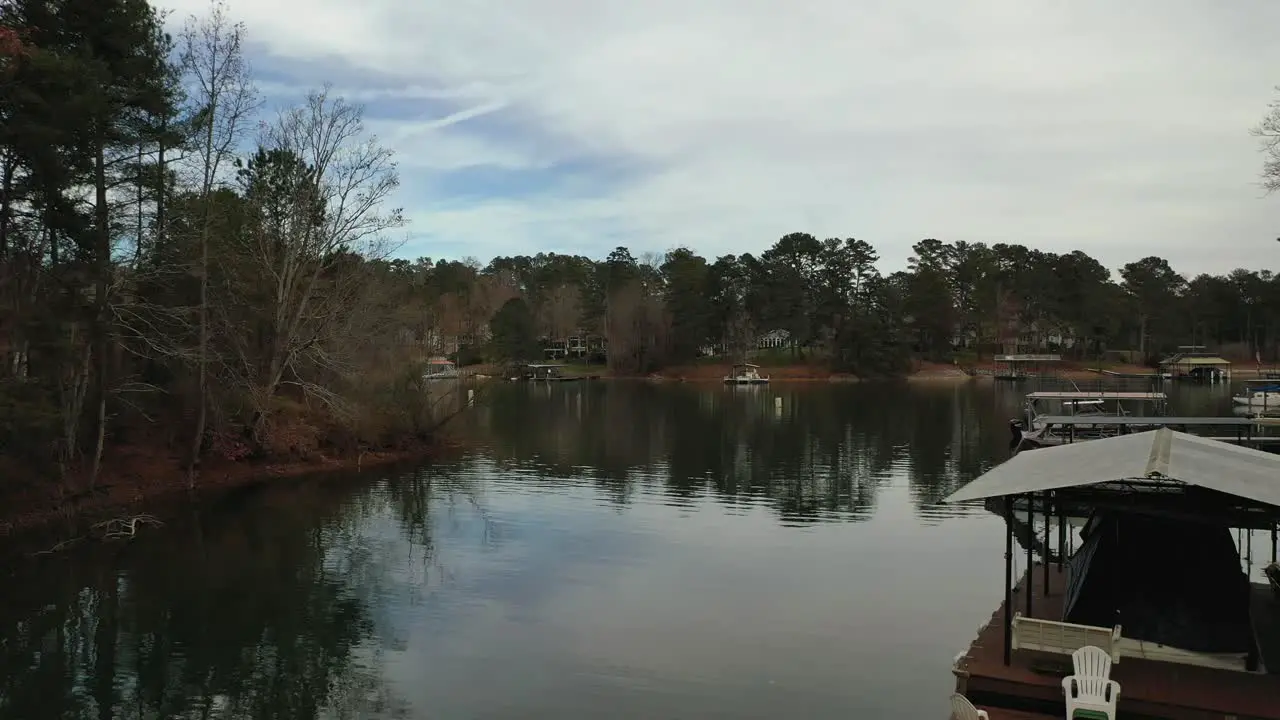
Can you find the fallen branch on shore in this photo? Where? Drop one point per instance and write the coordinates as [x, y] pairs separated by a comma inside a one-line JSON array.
[[124, 527], [121, 528], [60, 546]]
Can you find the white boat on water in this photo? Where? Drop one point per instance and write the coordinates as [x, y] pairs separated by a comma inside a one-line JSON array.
[[1259, 394], [745, 374]]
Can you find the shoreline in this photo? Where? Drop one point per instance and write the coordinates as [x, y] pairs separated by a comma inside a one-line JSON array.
[[921, 372], [137, 479], [811, 372], [135, 482]]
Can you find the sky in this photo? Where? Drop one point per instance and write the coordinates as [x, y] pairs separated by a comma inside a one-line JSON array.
[[575, 126]]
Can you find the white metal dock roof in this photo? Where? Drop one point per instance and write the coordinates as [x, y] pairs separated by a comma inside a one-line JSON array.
[[1164, 453]]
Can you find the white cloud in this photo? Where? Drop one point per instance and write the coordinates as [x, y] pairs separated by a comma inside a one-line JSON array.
[[1121, 129]]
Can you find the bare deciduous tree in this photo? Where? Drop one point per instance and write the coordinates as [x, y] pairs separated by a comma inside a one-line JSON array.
[[739, 333], [451, 321], [315, 196], [1268, 131], [225, 99], [638, 329], [491, 293], [560, 312]]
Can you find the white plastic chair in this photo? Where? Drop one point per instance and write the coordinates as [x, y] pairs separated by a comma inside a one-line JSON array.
[[962, 709], [1091, 688], [1091, 661]]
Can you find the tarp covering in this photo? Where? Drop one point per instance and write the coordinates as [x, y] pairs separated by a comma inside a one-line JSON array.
[[1211, 464], [1163, 581]]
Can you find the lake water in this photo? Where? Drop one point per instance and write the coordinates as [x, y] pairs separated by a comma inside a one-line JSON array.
[[602, 550]]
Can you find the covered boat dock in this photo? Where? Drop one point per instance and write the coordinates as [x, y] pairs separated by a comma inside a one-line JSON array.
[[1021, 367], [1156, 578], [1193, 363]]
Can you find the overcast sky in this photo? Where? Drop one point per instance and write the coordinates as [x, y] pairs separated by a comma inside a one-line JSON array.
[[1119, 128]]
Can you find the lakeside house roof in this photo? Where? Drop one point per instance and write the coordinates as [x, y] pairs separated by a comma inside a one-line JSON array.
[[1156, 454]]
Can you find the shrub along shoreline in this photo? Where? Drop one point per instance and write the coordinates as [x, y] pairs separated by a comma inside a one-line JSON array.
[[138, 479]]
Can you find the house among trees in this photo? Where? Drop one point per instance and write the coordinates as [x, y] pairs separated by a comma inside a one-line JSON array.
[[582, 347], [773, 339], [1013, 336]]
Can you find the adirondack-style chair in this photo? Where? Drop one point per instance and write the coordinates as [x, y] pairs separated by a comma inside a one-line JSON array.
[[962, 709], [1091, 693]]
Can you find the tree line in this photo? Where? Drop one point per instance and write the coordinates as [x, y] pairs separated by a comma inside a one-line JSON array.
[[955, 299], [179, 267]]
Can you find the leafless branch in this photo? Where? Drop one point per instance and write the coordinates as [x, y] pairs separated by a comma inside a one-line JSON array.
[[301, 264], [124, 527], [58, 547], [1268, 133]]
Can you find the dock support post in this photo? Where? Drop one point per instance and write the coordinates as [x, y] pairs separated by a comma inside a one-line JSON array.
[[1029, 585], [1048, 549], [1062, 535], [1274, 532], [1008, 580]]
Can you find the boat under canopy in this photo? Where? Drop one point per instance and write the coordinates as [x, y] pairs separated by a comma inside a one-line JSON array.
[[1156, 580], [1173, 582]]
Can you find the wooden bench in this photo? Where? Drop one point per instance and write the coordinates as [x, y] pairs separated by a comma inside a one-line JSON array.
[[1051, 637]]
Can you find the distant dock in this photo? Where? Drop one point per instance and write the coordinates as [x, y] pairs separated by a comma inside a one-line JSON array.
[[1127, 375], [1244, 430]]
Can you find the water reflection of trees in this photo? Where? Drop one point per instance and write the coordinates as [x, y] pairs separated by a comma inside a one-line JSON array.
[[246, 614], [828, 449]]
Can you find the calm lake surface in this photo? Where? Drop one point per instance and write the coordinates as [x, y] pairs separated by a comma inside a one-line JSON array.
[[603, 550]]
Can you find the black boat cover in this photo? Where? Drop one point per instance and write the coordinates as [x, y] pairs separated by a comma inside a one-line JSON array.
[[1165, 581]]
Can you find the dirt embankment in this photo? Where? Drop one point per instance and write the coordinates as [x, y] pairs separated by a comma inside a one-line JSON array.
[[1064, 370], [1069, 370], [923, 370], [799, 372], [920, 370], [139, 479]]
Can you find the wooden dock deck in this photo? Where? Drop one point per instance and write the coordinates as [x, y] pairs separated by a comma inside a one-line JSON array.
[[995, 713], [1149, 689]]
